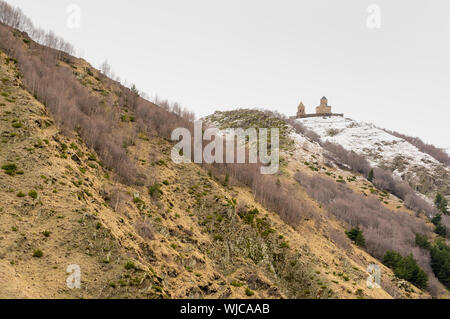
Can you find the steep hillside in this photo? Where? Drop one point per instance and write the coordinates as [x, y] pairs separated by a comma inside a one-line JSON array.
[[58, 200], [150, 228], [333, 180], [424, 173]]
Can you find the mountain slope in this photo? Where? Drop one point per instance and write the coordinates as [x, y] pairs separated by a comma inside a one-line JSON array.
[[388, 222], [79, 216], [425, 174], [166, 230]]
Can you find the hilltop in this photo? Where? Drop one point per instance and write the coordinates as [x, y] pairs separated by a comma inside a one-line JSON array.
[[423, 172]]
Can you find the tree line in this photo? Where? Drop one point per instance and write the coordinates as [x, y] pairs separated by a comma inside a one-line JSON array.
[[15, 18], [75, 108]]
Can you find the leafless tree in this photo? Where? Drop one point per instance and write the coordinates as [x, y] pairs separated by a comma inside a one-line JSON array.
[[145, 229], [105, 68], [435, 152]]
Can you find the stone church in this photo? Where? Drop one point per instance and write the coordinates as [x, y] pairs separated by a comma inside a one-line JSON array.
[[322, 110]]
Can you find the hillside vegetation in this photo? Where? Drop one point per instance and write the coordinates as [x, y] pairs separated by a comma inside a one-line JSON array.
[[388, 211], [424, 167], [184, 235], [87, 179]]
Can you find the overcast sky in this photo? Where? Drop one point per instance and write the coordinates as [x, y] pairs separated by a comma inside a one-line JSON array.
[[218, 55]]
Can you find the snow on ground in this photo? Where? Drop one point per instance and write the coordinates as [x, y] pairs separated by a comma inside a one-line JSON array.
[[367, 139]]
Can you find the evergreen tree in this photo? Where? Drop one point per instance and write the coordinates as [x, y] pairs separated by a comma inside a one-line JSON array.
[[355, 234], [392, 258], [134, 90], [436, 220], [370, 177], [438, 199], [440, 262], [422, 241], [441, 203], [406, 268], [421, 280], [440, 230]]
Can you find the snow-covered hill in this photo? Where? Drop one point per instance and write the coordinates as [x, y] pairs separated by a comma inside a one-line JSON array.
[[422, 171]]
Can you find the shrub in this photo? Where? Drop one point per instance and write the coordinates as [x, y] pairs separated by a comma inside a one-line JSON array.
[[145, 230], [284, 245], [332, 132], [249, 216], [10, 169], [422, 241], [91, 157], [129, 265], [155, 190], [33, 194], [38, 253], [114, 197], [267, 232], [248, 292], [157, 288], [46, 233], [140, 204], [20, 194], [17, 125]]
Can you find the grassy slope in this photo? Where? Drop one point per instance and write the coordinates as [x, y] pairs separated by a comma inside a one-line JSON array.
[[307, 157], [200, 246]]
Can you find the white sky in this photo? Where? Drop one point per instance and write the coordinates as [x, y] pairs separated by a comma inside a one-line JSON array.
[[216, 55]]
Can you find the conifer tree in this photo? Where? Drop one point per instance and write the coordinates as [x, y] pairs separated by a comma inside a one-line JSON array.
[[370, 177]]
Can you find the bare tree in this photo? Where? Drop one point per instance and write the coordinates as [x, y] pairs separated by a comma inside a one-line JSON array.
[[105, 68]]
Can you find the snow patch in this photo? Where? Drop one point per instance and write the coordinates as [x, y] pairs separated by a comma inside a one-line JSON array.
[[364, 138]]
